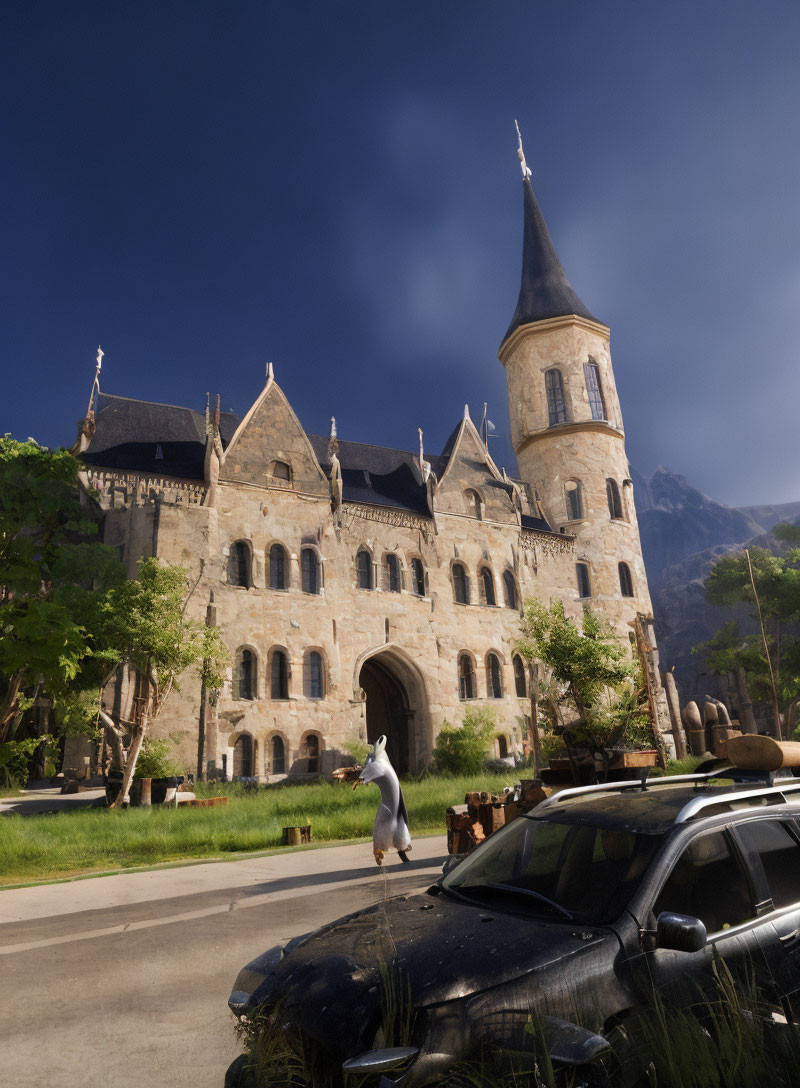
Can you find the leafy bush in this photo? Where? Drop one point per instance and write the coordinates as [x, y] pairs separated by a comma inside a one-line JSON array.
[[357, 748], [465, 750], [154, 761], [15, 757]]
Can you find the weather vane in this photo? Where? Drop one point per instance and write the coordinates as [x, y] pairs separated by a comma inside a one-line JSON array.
[[526, 173]]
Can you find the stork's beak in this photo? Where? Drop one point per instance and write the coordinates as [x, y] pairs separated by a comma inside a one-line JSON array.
[[356, 784]]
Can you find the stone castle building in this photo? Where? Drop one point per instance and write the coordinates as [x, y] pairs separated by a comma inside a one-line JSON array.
[[363, 590]]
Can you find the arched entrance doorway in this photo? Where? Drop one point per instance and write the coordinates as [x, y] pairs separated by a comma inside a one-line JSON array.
[[243, 756], [388, 710]]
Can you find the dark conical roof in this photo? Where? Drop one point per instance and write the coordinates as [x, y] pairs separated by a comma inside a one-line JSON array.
[[545, 290]]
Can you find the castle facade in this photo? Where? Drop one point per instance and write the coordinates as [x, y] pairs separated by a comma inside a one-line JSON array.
[[363, 590]]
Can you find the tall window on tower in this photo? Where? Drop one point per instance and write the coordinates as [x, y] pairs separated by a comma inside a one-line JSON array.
[[594, 389], [614, 499], [556, 408], [584, 585], [574, 496]]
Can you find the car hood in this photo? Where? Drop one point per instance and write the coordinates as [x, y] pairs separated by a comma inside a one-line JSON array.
[[439, 948]]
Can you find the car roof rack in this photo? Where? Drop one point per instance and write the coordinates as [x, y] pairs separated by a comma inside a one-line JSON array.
[[691, 808], [576, 793]]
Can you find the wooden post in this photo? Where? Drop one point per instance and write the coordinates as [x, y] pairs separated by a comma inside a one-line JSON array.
[[146, 792], [533, 673], [674, 706], [641, 646]]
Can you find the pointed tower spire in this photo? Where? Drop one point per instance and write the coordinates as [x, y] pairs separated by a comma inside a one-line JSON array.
[[545, 290]]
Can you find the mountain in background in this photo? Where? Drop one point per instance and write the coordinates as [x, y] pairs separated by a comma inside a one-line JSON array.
[[683, 533]]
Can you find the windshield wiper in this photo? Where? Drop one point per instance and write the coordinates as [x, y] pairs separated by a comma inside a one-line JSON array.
[[521, 891]]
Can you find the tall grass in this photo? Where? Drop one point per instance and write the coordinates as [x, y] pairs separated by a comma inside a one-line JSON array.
[[83, 840]]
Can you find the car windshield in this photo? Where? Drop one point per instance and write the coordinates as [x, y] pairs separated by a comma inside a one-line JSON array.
[[567, 870]]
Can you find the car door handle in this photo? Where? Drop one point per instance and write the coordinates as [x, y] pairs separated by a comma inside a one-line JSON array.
[[790, 938]]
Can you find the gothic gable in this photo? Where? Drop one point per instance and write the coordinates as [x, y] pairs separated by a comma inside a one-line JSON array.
[[271, 449], [471, 472]]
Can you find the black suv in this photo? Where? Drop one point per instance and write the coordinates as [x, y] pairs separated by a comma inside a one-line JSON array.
[[570, 913]]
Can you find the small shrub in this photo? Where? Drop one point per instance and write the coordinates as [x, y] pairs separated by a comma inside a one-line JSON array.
[[154, 761], [465, 750], [357, 748]]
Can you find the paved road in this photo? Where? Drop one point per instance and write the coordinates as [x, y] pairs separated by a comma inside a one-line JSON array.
[[122, 981]]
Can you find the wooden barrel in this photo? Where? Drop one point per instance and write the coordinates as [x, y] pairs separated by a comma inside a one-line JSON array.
[[756, 753]]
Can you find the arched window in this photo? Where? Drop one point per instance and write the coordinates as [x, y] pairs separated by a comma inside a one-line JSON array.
[[309, 563], [310, 752], [574, 495], [279, 675], [239, 566], [243, 756], [460, 583], [364, 569], [556, 408], [472, 501], [486, 583], [494, 677], [277, 567], [502, 746], [278, 755], [625, 580], [596, 401], [509, 589], [614, 500], [392, 574], [520, 685], [280, 474], [466, 677], [418, 577], [313, 675], [244, 680], [584, 585]]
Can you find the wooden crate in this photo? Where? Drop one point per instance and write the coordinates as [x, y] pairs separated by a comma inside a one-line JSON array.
[[206, 802]]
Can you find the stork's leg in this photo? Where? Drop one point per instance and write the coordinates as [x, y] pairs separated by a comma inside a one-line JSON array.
[[404, 856], [378, 856]]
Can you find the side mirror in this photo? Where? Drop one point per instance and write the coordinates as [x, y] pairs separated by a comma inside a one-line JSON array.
[[451, 862], [680, 932]]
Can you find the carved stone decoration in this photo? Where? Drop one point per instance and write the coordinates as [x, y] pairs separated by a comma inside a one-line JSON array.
[[550, 543], [143, 489], [400, 518]]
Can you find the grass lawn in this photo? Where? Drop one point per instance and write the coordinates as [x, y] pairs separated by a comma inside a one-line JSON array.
[[86, 840]]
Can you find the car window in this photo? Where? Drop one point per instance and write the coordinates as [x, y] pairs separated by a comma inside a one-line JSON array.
[[708, 882], [591, 872], [780, 855]]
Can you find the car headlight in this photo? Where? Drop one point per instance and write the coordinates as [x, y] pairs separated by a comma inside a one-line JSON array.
[[253, 974]]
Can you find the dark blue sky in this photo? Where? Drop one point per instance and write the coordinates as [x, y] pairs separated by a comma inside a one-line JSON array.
[[202, 187]]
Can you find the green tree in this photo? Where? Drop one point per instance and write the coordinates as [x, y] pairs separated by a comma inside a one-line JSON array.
[[777, 585], [150, 632], [593, 688], [465, 750], [54, 579]]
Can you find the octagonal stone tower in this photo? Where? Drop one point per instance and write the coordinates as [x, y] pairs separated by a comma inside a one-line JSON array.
[[566, 427]]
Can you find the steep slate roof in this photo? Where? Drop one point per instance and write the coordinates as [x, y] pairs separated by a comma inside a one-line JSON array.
[[130, 433], [545, 290]]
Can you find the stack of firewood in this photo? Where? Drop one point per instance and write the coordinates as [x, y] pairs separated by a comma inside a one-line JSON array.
[[484, 813]]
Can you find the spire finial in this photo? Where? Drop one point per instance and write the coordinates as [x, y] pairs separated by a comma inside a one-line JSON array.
[[96, 382], [333, 441], [526, 173], [466, 412], [270, 372]]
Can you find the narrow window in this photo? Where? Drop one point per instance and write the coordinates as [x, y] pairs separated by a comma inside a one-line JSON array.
[[556, 408], [240, 564], [487, 587], [313, 680], [460, 583], [278, 756], [472, 501], [595, 390], [418, 577], [392, 574], [466, 677], [509, 589], [364, 569], [277, 567], [614, 500], [625, 580], [574, 494], [494, 677], [243, 756], [310, 570], [520, 686], [584, 585], [502, 746], [311, 746], [245, 674], [279, 675], [280, 474]]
